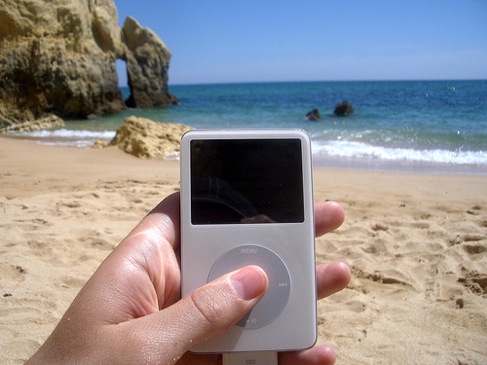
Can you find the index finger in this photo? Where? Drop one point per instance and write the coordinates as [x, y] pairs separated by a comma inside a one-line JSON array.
[[329, 216], [162, 222]]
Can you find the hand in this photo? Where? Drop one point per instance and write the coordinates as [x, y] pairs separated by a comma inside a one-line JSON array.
[[130, 311]]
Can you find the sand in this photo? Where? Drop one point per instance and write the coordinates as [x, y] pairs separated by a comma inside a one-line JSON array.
[[417, 245]]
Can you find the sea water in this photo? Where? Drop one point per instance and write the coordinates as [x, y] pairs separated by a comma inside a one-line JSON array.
[[402, 125]]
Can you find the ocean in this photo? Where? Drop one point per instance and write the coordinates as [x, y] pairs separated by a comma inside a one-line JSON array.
[[431, 126]]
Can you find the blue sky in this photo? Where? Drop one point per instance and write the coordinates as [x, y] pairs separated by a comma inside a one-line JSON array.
[[217, 41]]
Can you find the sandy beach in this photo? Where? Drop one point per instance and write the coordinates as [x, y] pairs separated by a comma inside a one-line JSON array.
[[416, 243]]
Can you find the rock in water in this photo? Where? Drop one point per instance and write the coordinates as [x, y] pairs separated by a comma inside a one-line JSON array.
[[58, 56], [145, 138], [313, 115], [343, 109]]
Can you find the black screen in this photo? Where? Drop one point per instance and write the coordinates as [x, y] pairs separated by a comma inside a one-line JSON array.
[[246, 181]]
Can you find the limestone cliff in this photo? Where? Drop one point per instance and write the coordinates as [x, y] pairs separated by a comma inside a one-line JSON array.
[[58, 57], [147, 60]]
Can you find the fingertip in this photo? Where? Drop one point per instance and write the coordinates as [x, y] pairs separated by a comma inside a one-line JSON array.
[[327, 354], [329, 216], [343, 273], [332, 278], [322, 355]]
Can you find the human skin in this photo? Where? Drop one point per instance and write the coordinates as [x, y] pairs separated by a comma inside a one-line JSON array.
[[131, 311]]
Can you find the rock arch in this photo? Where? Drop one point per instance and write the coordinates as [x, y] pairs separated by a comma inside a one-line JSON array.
[[59, 57]]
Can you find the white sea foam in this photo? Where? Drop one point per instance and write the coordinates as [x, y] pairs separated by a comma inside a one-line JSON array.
[[68, 137], [71, 133], [349, 149]]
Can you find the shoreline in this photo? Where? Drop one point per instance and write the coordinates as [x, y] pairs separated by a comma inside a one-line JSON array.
[[334, 162], [416, 244], [413, 167]]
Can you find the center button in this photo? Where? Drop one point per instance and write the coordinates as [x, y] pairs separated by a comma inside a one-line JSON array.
[[277, 295]]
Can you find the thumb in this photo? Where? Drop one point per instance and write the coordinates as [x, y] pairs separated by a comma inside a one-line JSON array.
[[221, 303], [205, 313]]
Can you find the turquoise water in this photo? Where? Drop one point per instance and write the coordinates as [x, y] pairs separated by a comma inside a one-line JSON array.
[[405, 125]]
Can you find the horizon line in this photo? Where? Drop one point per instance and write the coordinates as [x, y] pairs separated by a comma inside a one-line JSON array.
[[315, 81]]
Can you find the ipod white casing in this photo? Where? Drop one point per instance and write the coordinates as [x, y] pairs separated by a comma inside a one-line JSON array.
[[204, 245]]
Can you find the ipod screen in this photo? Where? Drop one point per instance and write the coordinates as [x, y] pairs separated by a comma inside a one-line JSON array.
[[246, 181]]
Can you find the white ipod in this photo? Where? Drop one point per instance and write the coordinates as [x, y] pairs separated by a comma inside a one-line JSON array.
[[246, 199]]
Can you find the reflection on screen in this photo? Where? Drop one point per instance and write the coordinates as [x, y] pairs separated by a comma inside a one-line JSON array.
[[246, 181]]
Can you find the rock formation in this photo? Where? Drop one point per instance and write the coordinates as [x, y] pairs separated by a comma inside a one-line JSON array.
[[313, 115], [48, 121], [145, 138], [147, 60], [343, 109], [58, 57]]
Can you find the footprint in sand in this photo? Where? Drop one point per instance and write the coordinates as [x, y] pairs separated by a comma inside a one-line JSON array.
[[476, 282], [475, 249], [475, 210], [14, 272]]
